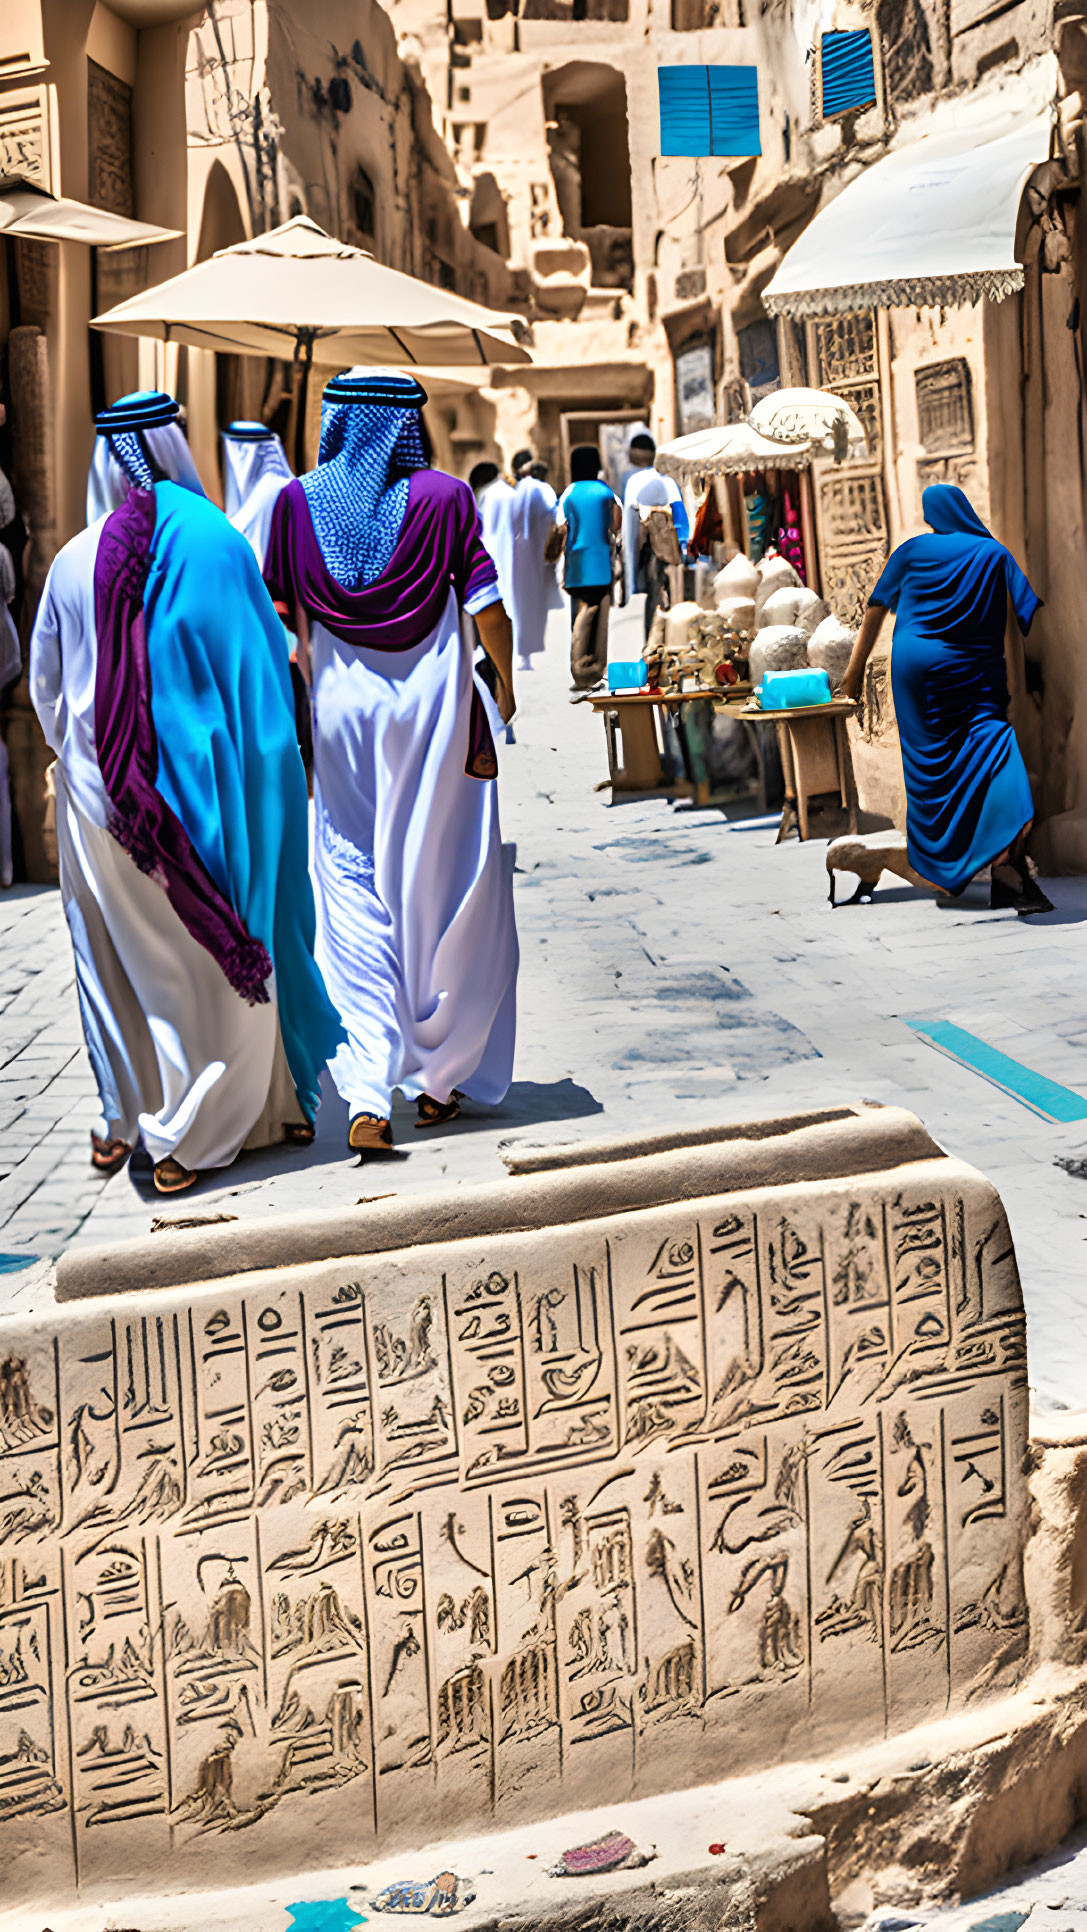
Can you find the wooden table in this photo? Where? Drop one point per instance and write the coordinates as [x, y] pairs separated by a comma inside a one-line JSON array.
[[815, 757], [630, 716], [813, 739]]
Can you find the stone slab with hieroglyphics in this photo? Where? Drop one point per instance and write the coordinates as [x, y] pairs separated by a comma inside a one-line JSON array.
[[307, 1560]]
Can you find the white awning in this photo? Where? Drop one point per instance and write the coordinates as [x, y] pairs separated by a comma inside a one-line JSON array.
[[930, 225]]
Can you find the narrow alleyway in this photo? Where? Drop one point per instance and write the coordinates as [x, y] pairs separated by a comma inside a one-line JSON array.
[[676, 967]]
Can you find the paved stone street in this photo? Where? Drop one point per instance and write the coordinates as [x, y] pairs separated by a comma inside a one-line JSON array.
[[676, 966]]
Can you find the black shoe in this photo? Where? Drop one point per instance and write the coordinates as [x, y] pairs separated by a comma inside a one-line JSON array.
[[1027, 897]]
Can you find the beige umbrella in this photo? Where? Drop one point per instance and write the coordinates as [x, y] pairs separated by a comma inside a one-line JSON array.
[[728, 450], [298, 289], [810, 416], [300, 293], [28, 212]]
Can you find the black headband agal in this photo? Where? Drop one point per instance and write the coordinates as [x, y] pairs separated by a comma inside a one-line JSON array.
[[152, 409], [395, 392], [248, 433]]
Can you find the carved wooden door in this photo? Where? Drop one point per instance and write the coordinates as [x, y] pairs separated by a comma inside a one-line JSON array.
[[843, 354]]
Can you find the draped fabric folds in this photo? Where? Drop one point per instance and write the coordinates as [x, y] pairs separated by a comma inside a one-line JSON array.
[[967, 791], [439, 547], [416, 931], [195, 739]]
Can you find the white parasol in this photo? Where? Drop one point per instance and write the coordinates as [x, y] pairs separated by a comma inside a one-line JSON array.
[[728, 450], [810, 416]]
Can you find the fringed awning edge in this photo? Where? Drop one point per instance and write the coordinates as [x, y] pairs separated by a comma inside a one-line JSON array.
[[684, 469], [912, 292]]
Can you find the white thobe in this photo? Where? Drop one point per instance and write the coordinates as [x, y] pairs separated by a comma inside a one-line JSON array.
[[415, 925], [531, 513], [180, 1059], [494, 521], [254, 518]]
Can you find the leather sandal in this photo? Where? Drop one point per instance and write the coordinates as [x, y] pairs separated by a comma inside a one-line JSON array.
[[437, 1113], [109, 1156], [369, 1134], [299, 1133], [171, 1178]]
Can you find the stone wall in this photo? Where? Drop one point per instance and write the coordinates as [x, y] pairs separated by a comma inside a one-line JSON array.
[[615, 1498]]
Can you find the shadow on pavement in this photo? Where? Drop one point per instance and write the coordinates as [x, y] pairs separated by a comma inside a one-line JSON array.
[[528, 1103]]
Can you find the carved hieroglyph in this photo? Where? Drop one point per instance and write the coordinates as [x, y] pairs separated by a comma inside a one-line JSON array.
[[370, 1551]]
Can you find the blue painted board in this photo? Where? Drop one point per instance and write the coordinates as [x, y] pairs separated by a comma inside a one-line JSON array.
[[1033, 1090]]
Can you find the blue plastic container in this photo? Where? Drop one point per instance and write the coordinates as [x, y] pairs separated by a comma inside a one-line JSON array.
[[788, 690], [629, 674]]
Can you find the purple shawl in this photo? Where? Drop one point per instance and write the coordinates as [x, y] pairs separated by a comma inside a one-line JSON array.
[[128, 754], [439, 545]]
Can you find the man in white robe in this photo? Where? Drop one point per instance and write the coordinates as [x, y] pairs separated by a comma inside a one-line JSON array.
[[158, 670], [255, 469], [373, 559], [494, 496], [531, 516]]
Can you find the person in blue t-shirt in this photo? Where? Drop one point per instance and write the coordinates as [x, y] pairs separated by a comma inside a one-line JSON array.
[[592, 516]]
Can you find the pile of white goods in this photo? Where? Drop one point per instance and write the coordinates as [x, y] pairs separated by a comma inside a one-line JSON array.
[[795, 627]]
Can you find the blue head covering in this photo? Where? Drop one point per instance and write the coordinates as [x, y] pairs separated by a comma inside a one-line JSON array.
[[949, 512], [371, 441], [957, 580]]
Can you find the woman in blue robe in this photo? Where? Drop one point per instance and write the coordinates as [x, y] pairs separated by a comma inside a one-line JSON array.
[[968, 798]]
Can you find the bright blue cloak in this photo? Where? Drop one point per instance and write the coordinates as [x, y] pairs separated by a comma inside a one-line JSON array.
[[229, 764]]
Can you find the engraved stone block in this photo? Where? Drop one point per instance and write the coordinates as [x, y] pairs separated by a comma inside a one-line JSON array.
[[628, 1476]]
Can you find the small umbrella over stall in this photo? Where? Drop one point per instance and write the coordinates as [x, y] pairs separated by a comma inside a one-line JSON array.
[[810, 416], [298, 292], [729, 450]]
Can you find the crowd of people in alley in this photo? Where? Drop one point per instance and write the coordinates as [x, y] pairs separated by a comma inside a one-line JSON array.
[[353, 634]]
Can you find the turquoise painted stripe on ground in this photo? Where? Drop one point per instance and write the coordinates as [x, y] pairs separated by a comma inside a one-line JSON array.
[[1032, 1089]]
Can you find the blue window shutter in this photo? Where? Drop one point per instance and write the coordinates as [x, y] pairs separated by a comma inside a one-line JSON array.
[[734, 111], [709, 110], [685, 110], [848, 71]]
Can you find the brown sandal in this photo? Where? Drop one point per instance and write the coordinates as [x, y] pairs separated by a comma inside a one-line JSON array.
[[108, 1156], [369, 1134], [171, 1178], [299, 1133], [437, 1113]]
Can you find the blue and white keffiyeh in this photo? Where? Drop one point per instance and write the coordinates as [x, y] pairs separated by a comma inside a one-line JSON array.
[[139, 442], [371, 442]]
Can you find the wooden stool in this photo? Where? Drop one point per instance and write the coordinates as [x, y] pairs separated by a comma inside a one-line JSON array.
[[637, 767]]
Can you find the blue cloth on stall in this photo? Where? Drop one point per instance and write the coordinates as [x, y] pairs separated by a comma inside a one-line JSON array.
[[358, 494], [228, 757], [967, 792]]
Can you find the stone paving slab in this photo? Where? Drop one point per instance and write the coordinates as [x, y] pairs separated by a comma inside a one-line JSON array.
[[677, 966]]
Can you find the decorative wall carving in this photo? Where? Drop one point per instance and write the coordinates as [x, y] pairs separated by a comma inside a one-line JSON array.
[[290, 1568], [945, 416], [109, 141], [22, 139], [853, 538]]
